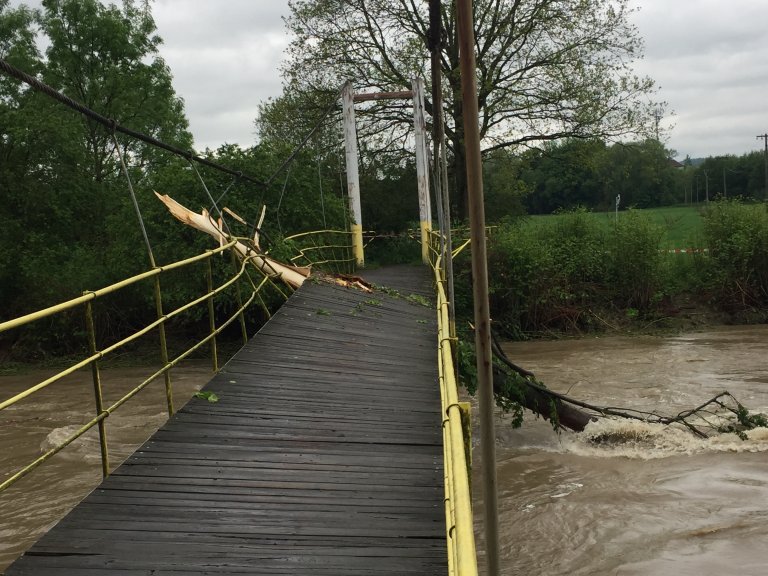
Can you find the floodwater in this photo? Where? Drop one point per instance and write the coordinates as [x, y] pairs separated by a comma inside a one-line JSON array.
[[654, 500], [38, 423]]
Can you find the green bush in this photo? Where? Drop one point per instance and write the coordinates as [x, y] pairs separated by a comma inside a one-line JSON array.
[[545, 273], [737, 236], [551, 274], [636, 266]]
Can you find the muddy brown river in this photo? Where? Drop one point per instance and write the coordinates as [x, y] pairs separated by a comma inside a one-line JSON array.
[[654, 501], [31, 427]]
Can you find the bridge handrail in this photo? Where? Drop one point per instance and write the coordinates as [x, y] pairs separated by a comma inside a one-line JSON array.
[[462, 556], [242, 271], [326, 253], [92, 295]]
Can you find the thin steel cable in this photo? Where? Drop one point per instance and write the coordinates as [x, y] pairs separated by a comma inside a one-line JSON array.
[[331, 107], [280, 202], [208, 193], [33, 82], [114, 126], [226, 191], [135, 202], [322, 199], [288, 161]]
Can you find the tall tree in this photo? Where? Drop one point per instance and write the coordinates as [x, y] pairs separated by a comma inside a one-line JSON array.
[[107, 58], [547, 69], [19, 154], [66, 203]]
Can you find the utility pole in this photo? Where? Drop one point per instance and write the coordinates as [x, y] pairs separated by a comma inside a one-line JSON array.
[[467, 64], [765, 184], [725, 186], [706, 186], [441, 160]]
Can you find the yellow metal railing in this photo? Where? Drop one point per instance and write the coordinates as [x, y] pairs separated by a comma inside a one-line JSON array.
[[462, 556], [241, 272], [329, 250]]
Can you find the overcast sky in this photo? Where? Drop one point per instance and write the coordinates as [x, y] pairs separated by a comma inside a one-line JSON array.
[[709, 57]]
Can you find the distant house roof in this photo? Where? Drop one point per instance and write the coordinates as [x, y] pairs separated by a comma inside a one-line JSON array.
[[674, 163]]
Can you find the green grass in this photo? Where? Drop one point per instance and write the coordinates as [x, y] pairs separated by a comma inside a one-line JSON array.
[[682, 225]]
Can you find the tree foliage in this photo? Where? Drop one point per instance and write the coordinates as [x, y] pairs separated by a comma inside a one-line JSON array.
[[571, 173], [547, 69]]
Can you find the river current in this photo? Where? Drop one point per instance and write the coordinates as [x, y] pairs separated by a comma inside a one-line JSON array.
[[653, 501], [31, 427]]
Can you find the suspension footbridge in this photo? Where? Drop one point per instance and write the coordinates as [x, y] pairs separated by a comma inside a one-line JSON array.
[[335, 447], [323, 455], [332, 443]]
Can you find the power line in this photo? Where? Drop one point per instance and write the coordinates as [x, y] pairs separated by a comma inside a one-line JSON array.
[[112, 124]]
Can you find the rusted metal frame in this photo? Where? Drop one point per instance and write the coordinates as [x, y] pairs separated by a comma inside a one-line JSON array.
[[467, 66], [92, 295], [315, 232], [353, 178], [138, 334], [96, 355], [462, 552], [239, 298], [163, 345], [422, 171], [398, 95]]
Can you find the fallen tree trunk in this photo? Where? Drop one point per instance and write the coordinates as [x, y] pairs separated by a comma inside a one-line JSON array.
[[721, 413], [546, 405]]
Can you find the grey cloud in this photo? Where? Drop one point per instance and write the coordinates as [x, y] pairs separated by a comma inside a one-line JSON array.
[[707, 57]]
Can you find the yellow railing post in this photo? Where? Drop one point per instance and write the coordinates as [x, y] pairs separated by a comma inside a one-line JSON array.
[[239, 297], [163, 347], [212, 317], [97, 389]]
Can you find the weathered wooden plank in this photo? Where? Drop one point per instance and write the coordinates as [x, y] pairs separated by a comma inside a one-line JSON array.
[[322, 457]]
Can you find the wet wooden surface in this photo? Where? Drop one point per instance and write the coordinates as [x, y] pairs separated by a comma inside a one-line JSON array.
[[323, 456]]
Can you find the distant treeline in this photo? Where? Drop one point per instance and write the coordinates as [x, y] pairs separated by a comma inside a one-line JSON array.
[[564, 175]]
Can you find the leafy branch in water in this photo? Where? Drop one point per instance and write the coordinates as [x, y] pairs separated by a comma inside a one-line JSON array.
[[516, 389]]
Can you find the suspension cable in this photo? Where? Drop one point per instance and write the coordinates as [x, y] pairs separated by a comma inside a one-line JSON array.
[[322, 198], [289, 160], [112, 125], [135, 202], [189, 155], [226, 191]]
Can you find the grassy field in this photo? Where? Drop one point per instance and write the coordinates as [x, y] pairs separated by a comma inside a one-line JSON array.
[[681, 225]]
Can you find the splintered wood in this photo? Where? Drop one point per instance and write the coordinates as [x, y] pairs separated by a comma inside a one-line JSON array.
[[294, 276]]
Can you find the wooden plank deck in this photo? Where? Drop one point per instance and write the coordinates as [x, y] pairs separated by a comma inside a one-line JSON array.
[[322, 457]]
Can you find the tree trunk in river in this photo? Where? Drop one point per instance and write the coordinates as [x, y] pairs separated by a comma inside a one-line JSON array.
[[722, 413], [543, 403]]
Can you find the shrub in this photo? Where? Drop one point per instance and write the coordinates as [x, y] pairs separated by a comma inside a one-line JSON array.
[[635, 261], [737, 236]]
